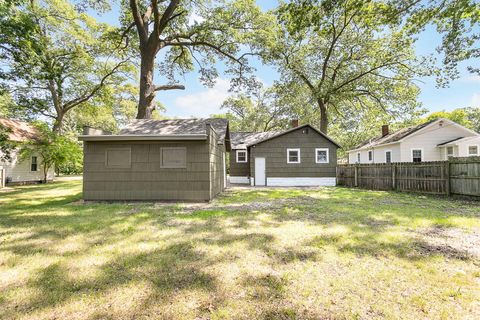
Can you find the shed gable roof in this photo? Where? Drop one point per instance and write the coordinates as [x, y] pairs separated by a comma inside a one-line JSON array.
[[241, 140]]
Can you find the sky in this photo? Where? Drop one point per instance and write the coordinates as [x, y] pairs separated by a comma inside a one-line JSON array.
[[199, 101]]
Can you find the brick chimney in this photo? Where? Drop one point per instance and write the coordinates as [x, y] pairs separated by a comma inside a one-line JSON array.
[[294, 123], [385, 130]]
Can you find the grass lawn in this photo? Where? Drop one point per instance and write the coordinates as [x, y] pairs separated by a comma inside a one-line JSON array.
[[251, 254]]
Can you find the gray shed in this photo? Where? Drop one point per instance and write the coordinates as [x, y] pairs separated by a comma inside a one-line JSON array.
[[301, 156], [180, 159]]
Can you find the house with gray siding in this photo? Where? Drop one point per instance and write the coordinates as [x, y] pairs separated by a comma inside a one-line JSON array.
[[180, 159], [435, 140], [301, 156]]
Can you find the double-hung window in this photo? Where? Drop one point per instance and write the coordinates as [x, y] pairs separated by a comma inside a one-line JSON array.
[[473, 150], [293, 155], [449, 151], [241, 156], [321, 155], [417, 155], [34, 164], [388, 156]]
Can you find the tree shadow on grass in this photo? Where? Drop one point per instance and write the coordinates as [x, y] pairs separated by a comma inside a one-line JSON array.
[[172, 269]]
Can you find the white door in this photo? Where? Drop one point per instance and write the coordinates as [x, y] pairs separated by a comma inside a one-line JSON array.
[[260, 171]]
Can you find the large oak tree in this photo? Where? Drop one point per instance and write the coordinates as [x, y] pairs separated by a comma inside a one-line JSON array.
[[186, 35]]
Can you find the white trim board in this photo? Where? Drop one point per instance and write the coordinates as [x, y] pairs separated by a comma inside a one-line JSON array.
[[301, 182], [239, 180]]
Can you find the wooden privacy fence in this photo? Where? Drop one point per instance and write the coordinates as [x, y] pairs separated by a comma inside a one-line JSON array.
[[459, 176]]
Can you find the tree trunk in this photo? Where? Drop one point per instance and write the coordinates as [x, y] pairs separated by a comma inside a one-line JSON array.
[[147, 87], [323, 116], [58, 123]]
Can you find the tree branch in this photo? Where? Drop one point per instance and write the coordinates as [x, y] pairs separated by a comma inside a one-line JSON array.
[[169, 87]]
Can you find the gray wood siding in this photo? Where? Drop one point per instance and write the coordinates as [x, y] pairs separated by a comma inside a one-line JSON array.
[[239, 169], [145, 180], [275, 153], [217, 178]]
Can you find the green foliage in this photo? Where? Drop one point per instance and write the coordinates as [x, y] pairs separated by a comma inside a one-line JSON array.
[[264, 111], [6, 146], [55, 151], [467, 117], [349, 55], [55, 58]]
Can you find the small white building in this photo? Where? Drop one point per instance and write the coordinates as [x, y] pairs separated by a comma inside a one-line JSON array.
[[435, 140], [26, 171]]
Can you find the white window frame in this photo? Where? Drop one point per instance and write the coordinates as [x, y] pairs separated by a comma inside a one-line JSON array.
[[288, 155], [453, 151], [359, 157], [246, 155], [473, 154], [411, 154], [36, 163], [368, 155], [391, 153], [316, 155]]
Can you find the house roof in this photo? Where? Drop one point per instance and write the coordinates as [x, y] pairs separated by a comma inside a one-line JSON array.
[[276, 134], [457, 141], [399, 135], [20, 130], [241, 140]]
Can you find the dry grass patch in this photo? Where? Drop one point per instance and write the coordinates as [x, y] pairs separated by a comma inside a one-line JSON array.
[[251, 254]]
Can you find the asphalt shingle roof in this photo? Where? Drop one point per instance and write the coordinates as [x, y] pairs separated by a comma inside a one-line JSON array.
[[240, 140], [20, 130], [176, 126]]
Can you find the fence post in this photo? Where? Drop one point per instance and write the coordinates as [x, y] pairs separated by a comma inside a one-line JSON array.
[[394, 176], [447, 181], [356, 176], [2, 177]]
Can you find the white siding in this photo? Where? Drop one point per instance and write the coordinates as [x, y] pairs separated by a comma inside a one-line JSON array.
[[463, 146], [429, 139], [378, 154], [17, 171]]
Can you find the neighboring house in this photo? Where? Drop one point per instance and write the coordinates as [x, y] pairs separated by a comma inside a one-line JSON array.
[[157, 160], [301, 156], [29, 170], [431, 141]]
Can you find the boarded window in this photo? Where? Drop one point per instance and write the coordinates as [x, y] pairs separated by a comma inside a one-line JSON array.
[[241, 156], [173, 158], [417, 155], [34, 165], [118, 158], [293, 155], [473, 150], [321, 155], [388, 156]]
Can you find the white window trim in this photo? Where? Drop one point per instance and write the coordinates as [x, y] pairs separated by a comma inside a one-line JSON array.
[[473, 145], [316, 155], [246, 155], [368, 156], [31, 162], [411, 154], [359, 157], [391, 154], [453, 151], [288, 153]]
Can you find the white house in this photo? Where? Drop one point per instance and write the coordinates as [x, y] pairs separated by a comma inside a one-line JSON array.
[[431, 141], [26, 171]]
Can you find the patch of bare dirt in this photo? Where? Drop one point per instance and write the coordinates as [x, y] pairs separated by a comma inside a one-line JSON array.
[[454, 242]]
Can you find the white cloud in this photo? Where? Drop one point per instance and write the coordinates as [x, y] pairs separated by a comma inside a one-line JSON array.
[[475, 100], [202, 103]]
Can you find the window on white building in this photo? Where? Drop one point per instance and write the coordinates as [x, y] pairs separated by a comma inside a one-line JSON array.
[[388, 156], [417, 155], [473, 150]]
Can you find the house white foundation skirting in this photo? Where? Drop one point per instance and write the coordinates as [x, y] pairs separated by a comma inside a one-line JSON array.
[[238, 179], [301, 182]]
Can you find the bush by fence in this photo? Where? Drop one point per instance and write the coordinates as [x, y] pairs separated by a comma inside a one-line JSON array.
[[459, 176]]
